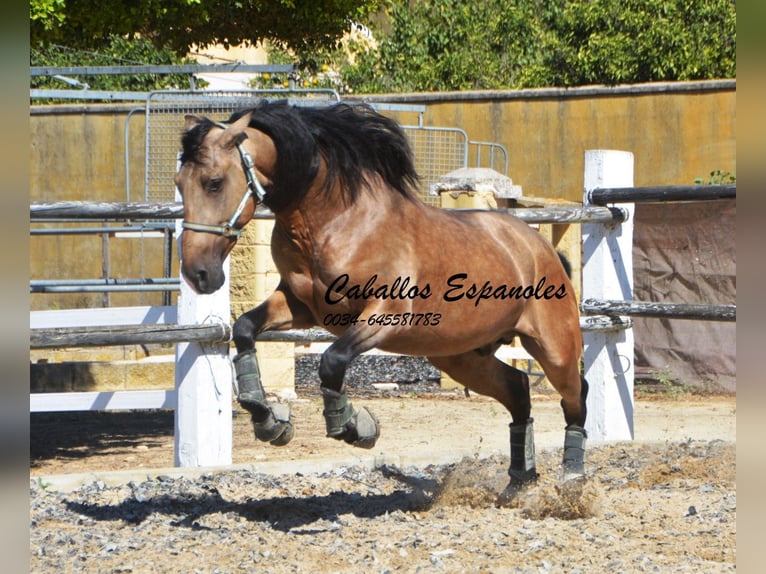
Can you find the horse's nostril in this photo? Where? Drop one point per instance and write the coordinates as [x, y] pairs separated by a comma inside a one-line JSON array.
[[202, 280]]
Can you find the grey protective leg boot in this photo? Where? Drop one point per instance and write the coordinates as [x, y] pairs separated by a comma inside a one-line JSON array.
[[358, 428], [271, 421], [573, 464], [522, 469]]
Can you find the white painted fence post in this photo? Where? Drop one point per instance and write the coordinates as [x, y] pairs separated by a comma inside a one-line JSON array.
[[607, 273], [203, 416]]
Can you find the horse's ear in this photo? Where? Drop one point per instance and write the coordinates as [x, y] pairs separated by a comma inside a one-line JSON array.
[[231, 136], [191, 121]]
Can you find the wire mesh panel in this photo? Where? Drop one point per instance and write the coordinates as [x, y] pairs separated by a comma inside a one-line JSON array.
[[165, 113], [438, 151]]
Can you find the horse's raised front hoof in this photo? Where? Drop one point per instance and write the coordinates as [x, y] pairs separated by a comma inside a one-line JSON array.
[[358, 428], [277, 428], [366, 427], [362, 430]]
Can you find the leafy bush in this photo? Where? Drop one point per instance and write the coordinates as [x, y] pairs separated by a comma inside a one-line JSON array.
[[455, 45]]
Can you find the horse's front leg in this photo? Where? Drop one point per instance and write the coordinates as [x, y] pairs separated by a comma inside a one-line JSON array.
[[344, 422], [282, 310]]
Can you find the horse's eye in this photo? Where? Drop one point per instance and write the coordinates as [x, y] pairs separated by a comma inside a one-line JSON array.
[[214, 185]]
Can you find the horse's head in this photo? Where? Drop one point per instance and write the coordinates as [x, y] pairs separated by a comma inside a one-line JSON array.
[[220, 186]]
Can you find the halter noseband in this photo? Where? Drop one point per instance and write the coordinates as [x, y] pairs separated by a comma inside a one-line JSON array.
[[254, 187]]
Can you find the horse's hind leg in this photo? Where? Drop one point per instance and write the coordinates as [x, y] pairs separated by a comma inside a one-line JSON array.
[[271, 421], [489, 376], [558, 357]]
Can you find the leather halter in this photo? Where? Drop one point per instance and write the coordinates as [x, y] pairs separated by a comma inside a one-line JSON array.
[[254, 187]]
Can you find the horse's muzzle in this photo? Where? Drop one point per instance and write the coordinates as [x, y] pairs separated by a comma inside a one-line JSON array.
[[203, 281]]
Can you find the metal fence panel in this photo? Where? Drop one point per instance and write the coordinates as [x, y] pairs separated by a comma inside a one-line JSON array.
[[437, 150], [165, 111]]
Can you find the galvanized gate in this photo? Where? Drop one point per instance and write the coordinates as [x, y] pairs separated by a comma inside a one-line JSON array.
[[165, 111], [437, 150]]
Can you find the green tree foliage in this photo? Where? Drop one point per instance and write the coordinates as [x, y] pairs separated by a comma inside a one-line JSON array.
[[303, 25], [494, 44], [421, 45]]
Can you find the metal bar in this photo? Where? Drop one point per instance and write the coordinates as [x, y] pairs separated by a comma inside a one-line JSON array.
[[138, 229], [127, 149], [105, 266], [160, 69], [108, 281], [116, 336], [167, 262], [102, 95], [662, 193], [660, 310], [102, 288]]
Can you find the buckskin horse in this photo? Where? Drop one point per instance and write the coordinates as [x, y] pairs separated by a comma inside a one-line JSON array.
[[359, 254]]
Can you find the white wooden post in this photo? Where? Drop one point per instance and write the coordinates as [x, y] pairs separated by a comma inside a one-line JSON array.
[[607, 273], [203, 416]]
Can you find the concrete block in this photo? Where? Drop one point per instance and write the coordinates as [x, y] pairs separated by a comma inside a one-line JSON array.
[[468, 200], [477, 179], [263, 260], [275, 351], [278, 376], [261, 230]]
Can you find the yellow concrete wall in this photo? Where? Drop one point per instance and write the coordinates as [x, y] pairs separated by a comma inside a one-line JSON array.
[[677, 133], [676, 136], [79, 155]]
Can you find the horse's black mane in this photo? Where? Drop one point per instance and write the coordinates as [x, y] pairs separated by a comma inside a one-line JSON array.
[[354, 141]]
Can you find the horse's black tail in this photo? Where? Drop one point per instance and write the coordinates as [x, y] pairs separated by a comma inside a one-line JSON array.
[[565, 263]]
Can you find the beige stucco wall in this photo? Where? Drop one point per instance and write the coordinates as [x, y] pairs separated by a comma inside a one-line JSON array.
[[677, 132]]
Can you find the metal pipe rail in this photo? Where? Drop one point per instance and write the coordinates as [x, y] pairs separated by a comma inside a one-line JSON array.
[[133, 229], [602, 196], [104, 285], [159, 69]]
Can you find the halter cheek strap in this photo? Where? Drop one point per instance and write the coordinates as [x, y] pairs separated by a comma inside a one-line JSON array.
[[254, 188]]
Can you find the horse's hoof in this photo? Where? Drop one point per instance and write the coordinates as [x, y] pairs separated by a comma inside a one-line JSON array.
[[510, 496], [364, 429], [573, 463], [523, 477], [572, 472], [276, 429]]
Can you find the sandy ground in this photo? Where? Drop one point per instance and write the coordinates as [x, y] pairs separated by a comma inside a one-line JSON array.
[[428, 498], [423, 428]]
